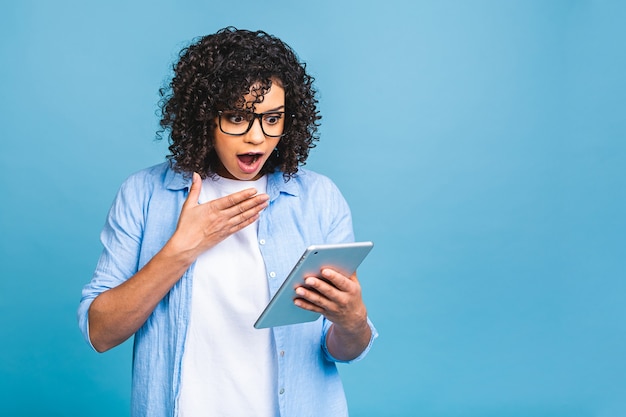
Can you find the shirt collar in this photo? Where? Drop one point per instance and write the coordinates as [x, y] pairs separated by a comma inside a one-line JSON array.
[[276, 183], [176, 180]]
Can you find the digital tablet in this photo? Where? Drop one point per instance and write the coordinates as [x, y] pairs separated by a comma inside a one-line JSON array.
[[343, 257]]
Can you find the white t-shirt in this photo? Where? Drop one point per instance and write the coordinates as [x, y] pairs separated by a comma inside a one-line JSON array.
[[229, 367]]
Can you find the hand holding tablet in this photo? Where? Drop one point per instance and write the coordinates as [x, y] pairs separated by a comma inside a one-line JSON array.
[[344, 258]]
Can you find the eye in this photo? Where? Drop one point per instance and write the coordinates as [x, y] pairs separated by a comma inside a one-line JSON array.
[[272, 118], [235, 117]]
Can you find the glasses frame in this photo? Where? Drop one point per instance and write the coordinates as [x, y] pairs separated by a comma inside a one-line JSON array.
[[252, 119]]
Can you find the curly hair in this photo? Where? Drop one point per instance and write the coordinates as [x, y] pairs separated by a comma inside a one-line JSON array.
[[215, 73]]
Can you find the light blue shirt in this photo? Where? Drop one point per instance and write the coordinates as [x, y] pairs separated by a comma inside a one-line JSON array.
[[306, 210]]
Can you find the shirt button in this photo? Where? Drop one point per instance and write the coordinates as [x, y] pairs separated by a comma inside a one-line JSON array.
[[282, 353], [282, 391], [273, 274], [262, 241]]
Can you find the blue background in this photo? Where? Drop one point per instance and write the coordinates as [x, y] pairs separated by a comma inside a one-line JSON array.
[[480, 144]]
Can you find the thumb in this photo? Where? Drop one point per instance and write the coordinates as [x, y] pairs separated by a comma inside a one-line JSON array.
[[194, 190]]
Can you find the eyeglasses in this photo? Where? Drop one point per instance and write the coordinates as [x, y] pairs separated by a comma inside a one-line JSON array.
[[237, 123]]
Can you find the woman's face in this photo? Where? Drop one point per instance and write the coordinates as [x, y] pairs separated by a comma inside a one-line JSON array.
[[242, 157]]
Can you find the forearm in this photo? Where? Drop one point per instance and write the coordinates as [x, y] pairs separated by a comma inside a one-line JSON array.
[[116, 314], [347, 344]]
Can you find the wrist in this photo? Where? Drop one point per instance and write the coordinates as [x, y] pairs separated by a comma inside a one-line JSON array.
[[352, 329], [178, 253]]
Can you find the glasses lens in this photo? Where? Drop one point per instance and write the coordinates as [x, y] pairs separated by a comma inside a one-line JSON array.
[[234, 123], [238, 122], [273, 124]]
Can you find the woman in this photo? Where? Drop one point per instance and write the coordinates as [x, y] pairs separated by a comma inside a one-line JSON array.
[[195, 247]]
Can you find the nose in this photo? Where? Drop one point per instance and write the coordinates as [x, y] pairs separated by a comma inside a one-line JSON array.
[[255, 134]]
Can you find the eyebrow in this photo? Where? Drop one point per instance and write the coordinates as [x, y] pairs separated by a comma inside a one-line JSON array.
[[274, 109]]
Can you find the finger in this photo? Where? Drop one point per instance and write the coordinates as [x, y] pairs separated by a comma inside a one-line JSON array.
[[310, 300], [251, 203], [240, 222], [234, 199], [243, 211], [194, 190], [322, 286], [324, 295], [246, 212], [306, 305], [337, 279]]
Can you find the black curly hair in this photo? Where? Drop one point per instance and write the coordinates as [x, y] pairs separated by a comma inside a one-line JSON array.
[[215, 73]]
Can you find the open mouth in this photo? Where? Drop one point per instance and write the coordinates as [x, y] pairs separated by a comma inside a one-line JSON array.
[[250, 163], [249, 158]]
